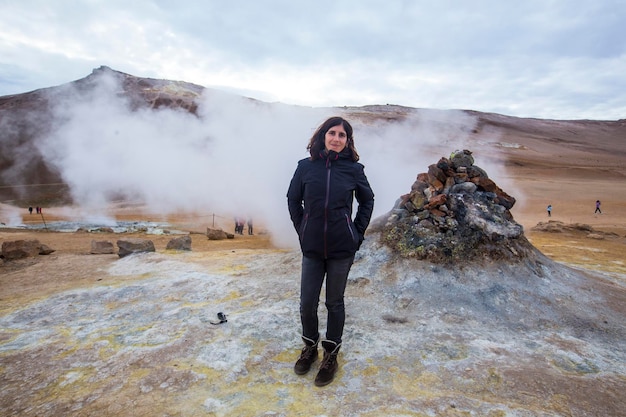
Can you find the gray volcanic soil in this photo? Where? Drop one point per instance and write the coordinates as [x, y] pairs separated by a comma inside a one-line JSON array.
[[528, 339]]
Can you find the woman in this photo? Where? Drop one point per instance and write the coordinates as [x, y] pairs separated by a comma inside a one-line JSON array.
[[320, 200]]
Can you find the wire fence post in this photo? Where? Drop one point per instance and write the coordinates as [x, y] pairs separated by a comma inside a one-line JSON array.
[[44, 220]]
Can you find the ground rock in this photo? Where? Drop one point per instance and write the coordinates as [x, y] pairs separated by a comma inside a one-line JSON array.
[[464, 187], [19, 249], [180, 243], [485, 184], [130, 246], [434, 172], [216, 234], [45, 250], [417, 200], [596, 236], [436, 201], [552, 226], [555, 226], [462, 158], [102, 247]]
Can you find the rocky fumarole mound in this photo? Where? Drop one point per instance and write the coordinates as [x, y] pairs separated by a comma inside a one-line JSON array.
[[453, 213]]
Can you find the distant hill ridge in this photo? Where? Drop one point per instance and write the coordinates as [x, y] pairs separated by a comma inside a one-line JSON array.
[[26, 117]]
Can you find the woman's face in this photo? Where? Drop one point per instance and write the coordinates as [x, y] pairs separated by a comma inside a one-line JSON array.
[[335, 138]]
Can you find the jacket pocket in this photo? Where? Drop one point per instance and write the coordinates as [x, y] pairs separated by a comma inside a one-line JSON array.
[[350, 226]]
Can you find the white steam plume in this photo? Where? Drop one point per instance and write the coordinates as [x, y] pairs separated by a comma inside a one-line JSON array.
[[395, 152], [10, 216], [236, 157]]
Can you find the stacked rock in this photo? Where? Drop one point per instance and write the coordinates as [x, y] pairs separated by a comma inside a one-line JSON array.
[[453, 211]]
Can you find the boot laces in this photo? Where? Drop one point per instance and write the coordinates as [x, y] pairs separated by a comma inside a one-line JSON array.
[[329, 361], [307, 352]]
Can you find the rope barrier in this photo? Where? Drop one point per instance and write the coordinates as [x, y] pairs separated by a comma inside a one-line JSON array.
[[44, 221], [213, 216], [32, 185]]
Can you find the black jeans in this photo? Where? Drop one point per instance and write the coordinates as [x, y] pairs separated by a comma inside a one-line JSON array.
[[313, 273]]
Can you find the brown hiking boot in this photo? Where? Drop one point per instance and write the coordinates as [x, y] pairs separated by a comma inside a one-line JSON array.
[[307, 357], [329, 365]]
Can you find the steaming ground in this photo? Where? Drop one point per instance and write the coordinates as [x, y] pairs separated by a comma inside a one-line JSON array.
[[134, 333], [235, 155]]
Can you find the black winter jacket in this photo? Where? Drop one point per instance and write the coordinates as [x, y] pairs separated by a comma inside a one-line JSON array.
[[320, 199]]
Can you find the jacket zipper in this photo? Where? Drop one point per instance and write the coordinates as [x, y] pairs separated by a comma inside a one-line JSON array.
[[328, 165]]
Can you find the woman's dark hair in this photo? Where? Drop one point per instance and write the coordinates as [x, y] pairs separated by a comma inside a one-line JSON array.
[[316, 144]]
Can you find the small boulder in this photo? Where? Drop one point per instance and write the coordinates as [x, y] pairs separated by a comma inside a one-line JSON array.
[[102, 247], [464, 188], [19, 249], [180, 243], [485, 184], [45, 250], [216, 234], [130, 246], [436, 175], [462, 158], [436, 201], [596, 236], [418, 200]]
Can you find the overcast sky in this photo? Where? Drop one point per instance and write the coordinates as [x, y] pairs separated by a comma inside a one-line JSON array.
[[561, 59]]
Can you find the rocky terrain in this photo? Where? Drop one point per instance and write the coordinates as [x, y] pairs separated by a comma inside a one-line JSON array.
[[85, 334], [465, 299], [453, 213]]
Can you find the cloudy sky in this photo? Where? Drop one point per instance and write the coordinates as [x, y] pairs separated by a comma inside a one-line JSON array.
[[562, 59]]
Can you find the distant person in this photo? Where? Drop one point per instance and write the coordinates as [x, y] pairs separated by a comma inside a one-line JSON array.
[[239, 223], [320, 199], [238, 226], [549, 210], [37, 208], [30, 210], [250, 226], [598, 207]]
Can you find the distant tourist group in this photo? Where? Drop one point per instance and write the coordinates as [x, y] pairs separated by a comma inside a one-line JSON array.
[[240, 223], [38, 210], [598, 203]]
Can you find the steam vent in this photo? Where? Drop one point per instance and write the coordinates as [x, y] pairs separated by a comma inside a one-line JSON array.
[[454, 212]]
